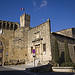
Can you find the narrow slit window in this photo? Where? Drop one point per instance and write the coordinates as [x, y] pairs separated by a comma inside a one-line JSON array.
[[74, 49], [3, 25], [31, 49], [44, 47]]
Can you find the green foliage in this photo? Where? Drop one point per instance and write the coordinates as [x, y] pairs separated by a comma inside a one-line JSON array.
[[43, 68], [67, 56], [69, 64], [56, 52]]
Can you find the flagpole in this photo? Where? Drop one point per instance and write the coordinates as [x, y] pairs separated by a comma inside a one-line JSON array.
[[24, 10]]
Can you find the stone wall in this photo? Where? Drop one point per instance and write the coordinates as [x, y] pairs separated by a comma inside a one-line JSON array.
[[19, 45], [5, 49], [66, 32], [40, 35], [7, 32], [60, 39], [63, 69], [25, 20], [73, 32]]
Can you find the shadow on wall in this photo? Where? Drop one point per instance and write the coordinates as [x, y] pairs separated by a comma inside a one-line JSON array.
[[62, 58]]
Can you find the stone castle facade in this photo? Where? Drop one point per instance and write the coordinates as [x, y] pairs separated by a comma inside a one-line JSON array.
[[17, 43]]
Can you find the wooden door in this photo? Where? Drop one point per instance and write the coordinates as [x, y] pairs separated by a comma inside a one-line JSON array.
[[37, 51]]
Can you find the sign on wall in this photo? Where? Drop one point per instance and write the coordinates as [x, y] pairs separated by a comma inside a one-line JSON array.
[[33, 52]]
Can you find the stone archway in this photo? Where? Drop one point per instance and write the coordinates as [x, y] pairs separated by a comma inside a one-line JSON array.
[[1, 53], [2, 48]]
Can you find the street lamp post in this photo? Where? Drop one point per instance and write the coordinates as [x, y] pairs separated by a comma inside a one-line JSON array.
[[34, 57]]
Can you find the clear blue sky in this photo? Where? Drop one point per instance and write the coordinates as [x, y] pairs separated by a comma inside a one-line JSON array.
[[60, 12]]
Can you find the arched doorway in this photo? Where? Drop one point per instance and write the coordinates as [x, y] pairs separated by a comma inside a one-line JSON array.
[[1, 53]]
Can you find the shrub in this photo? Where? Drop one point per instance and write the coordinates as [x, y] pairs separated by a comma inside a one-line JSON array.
[[69, 64], [67, 56], [56, 52]]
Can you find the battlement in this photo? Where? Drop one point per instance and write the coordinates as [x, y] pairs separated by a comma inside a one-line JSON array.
[[27, 17], [8, 25], [25, 20]]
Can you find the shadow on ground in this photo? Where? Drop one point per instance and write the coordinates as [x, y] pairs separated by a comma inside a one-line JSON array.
[[32, 73]]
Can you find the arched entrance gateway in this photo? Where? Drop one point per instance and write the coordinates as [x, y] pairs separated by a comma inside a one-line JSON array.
[[1, 53], [2, 50]]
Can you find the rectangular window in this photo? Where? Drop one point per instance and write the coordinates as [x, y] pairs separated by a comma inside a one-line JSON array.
[[44, 47], [31, 49]]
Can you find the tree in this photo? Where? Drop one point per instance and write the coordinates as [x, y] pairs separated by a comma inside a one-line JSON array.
[[67, 56], [56, 51]]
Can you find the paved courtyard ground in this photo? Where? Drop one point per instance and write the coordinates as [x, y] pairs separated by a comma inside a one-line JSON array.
[[10, 71]]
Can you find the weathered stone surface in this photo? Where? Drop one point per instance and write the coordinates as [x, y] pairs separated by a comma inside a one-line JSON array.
[[67, 32], [18, 41], [61, 45], [40, 35]]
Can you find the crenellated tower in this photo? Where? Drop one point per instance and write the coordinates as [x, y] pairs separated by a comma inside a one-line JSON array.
[[25, 20]]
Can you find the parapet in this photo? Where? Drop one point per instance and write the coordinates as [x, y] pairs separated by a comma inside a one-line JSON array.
[[8, 25]]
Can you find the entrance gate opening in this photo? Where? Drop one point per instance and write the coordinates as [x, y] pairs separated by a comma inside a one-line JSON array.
[[37, 51], [1, 53]]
